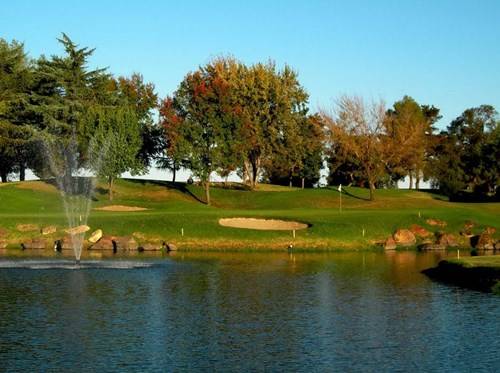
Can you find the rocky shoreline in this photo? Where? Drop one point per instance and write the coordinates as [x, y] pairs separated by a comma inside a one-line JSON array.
[[424, 239]]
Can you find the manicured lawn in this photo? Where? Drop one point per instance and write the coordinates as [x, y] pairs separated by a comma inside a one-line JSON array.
[[172, 208]]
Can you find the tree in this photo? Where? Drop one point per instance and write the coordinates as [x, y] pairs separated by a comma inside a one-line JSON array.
[[116, 143], [299, 157], [412, 123], [15, 134], [175, 149], [201, 101], [358, 131], [231, 117], [467, 155], [63, 89], [269, 104], [144, 100]]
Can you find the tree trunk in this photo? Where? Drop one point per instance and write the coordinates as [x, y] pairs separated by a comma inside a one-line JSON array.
[[303, 182], [246, 172], [173, 174], [22, 172], [411, 181], [110, 188], [255, 170], [417, 179], [207, 191], [372, 191], [252, 164], [3, 175]]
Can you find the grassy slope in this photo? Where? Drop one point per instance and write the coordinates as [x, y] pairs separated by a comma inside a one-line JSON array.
[[174, 208]]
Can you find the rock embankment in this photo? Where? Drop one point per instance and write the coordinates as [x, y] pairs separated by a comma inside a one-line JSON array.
[[424, 239]]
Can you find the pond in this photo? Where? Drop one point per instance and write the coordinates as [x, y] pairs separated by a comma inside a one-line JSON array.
[[236, 312]]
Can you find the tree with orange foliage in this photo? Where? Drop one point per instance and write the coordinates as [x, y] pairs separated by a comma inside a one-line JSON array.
[[358, 131]]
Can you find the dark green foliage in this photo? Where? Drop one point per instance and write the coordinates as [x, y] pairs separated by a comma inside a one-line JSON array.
[[15, 136], [115, 144], [56, 111], [141, 96], [466, 156], [64, 88]]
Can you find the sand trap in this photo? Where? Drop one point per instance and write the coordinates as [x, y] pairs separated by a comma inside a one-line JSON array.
[[121, 208], [262, 224]]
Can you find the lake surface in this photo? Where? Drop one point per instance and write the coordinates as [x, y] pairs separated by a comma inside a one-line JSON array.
[[238, 312]]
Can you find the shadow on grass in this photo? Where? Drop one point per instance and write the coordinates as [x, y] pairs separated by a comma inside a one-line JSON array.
[[181, 187], [75, 186], [349, 194]]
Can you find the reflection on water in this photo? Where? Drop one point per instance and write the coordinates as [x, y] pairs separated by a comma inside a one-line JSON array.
[[343, 311]]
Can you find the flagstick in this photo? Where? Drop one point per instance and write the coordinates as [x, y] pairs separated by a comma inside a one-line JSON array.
[[340, 191]]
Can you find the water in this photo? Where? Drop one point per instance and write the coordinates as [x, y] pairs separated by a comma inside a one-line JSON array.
[[239, 312], [75, 186]]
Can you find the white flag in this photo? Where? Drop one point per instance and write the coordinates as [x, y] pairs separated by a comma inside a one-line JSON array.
[[340, 188]]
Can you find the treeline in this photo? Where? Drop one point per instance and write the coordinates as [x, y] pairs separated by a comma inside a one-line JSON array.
[[58, 116]]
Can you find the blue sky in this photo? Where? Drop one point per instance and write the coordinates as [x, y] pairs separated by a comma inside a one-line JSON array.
[[445, 53], [441, 52]]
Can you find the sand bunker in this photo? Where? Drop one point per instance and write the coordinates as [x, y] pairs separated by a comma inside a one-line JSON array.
[[121, 208], [262, 224]]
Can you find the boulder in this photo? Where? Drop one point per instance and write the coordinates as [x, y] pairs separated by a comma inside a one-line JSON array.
[[148, 247], [66, 243], [27, 227], [468, 225], [35, 244], [95, 236], [419, 231], [171, 247], [431, 246], [404, 237], [3, 244], [126, 243], [483, 242], [466, 233], [436, 222], [77, 230], [447, 240], [389, 244], [105, 243], [490, 230], [49, 230], [497, 245]]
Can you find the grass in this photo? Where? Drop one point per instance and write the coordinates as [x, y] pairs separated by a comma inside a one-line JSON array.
[[490, 261], [480, 272], [175, 207]]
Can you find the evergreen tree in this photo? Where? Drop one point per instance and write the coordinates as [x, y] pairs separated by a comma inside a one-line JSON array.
[[15, 134], [466, 157], [64, 88]]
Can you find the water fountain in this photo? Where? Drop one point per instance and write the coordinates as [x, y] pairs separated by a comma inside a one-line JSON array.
[[75, 178], [76, 186]]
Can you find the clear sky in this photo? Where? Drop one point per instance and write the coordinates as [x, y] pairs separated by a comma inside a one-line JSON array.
[[441, 52], [445, 53]]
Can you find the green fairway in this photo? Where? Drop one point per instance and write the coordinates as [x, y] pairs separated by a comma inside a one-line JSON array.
[[175, 208]]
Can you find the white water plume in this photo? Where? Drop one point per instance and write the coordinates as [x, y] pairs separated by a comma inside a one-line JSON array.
[[76, 183]]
